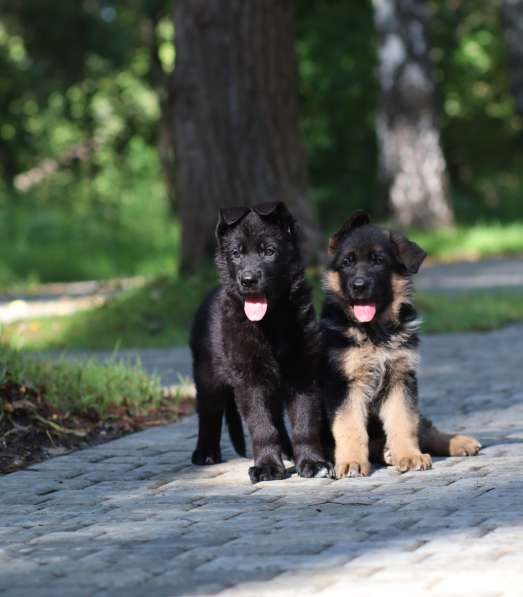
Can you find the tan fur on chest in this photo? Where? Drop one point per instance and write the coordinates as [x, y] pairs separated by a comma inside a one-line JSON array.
[[367, 364]]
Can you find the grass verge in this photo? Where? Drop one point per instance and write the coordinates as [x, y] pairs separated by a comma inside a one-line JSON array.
[[160, 315], [472, 242], [470, 311], [53, 407]]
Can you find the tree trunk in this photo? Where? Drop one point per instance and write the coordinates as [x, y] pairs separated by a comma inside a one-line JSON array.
[[412, 165], [512, 24], [236, 123]]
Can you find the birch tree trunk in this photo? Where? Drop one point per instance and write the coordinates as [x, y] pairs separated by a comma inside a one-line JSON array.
[[237, 132], [412, 164]]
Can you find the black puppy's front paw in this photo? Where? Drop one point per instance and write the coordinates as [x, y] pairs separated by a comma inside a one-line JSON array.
[[267, 471], [206, 457], [309, 467]]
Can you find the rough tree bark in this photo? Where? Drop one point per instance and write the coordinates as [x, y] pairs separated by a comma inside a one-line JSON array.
[[512, 24], [236, 123], [412, 165]]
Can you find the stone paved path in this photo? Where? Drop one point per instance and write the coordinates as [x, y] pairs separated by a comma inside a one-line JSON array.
[[133, 517], [487, 274]]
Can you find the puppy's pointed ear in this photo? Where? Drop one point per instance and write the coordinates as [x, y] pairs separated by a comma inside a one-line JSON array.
[[358, 218], [229, 216], [279, 210], [408, 253]]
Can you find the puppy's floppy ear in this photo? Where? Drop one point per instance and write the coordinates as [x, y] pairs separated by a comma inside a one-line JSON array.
[[408, 253], [228, 216], [280, 211], [358, 218]]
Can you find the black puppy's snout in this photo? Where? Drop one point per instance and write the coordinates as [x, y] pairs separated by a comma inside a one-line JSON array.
[[249, 279], [359, 283]]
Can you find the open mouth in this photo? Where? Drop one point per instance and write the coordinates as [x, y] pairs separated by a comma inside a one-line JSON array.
[[255, 307], [364, 313]]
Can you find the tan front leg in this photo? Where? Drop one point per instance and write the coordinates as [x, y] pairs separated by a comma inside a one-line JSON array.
[[401, 421], [351, 438]]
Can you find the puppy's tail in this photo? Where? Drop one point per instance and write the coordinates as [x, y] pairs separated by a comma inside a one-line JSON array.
[[235, 427]]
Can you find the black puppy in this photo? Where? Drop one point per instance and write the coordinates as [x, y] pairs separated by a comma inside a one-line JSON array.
[[255, 344], [370, 334]]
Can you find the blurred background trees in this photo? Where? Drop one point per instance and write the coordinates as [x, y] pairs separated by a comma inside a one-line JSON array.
[[91, 106]]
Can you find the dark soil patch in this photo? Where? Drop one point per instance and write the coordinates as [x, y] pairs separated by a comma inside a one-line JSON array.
[[32, 430]]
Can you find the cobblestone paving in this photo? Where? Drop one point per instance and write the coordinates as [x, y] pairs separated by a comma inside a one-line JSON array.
[[132, 517]]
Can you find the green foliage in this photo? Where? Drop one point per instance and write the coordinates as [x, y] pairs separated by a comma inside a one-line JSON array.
[[83, 77], [336, 51], [77, 387], [482, 134], [99, 73], [89, 79]]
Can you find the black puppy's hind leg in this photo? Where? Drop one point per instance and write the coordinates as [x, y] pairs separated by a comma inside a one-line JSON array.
[[211, 407], [235, 427]]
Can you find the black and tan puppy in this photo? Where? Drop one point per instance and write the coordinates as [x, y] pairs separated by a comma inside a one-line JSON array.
[[255, 344], [370, 339]]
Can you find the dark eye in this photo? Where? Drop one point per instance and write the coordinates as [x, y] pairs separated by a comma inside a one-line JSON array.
[[376, 259], [349, 260], [269, 252], [235, 253]]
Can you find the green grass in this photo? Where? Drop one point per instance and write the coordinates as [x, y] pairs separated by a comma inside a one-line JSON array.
[[86, 386], [51, 244], [469, 311], [472, 242], [160, 314]]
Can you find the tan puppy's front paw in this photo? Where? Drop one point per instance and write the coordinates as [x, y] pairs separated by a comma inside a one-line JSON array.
[[412, 462], [463, 445], [353, 469]]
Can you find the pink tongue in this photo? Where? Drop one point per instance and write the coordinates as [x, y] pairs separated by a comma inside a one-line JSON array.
[[255, 308], [364, 313]]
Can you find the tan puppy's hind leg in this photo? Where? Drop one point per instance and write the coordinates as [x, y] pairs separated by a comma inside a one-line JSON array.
[[437, 443]]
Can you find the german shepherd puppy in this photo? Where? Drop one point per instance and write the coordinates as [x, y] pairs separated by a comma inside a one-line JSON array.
[[255, 343], [370, 339]]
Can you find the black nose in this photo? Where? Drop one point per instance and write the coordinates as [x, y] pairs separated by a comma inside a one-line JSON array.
[[248, 279], [359, 283]]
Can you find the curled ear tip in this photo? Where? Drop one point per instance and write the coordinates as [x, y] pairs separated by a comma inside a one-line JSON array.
[[231, 215], [268, 207]]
